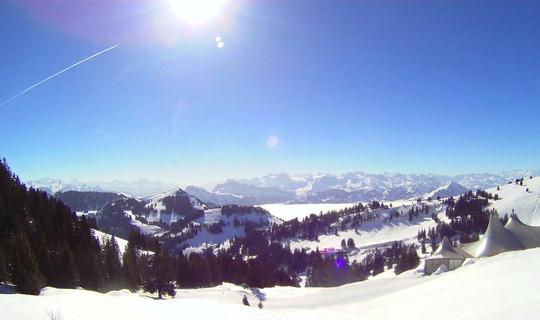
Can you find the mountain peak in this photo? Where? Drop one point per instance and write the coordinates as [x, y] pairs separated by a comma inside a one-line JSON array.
[[450, 189]]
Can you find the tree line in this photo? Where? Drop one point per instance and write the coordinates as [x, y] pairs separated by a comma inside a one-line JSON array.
[[42, 242]]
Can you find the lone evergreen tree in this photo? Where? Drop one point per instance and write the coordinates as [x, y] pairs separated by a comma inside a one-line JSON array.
[[160, 276]]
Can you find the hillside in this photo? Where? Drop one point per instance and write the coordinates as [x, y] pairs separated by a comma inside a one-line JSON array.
[[217, 227], [152, 215], [82, 201], [515, 198], [43, 242]]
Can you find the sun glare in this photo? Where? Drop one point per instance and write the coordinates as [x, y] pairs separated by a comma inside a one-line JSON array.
[[196, 11]]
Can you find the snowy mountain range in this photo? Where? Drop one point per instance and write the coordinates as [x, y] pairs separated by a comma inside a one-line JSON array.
[[137, 188], [304, 188], [348, 187]]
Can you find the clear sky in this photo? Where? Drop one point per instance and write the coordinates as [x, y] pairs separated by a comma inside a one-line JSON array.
[[295, 86]]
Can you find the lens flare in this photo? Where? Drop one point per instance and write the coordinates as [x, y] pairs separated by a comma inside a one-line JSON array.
[[196, 11], [219, 42], [272, 142]]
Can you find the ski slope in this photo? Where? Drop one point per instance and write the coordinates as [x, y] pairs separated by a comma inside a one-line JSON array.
[[500, 287], [516, 198]]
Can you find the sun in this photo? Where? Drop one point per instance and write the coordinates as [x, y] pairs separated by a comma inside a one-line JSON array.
[[196, 11]]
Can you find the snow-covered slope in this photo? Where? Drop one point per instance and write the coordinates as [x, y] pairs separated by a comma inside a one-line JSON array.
[[102, 236], [146, 213], [167, 206], [514, 198], [500, 287], [380, 231], [231, 226]]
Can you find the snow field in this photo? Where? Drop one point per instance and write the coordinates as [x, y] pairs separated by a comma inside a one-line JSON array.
[[514, 196], [500, 287]]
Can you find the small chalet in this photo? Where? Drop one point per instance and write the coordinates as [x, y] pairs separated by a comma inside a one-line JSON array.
[[447, 255]]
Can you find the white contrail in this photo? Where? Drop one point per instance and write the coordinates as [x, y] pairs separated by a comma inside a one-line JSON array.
[[105, 133], [54, 75]]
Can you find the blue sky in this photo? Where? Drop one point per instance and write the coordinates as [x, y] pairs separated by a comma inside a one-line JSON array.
[[299, 86]]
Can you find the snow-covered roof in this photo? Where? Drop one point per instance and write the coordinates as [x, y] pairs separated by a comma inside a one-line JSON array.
[[445, 251], [463, 252], [497, 239], [529, 236]]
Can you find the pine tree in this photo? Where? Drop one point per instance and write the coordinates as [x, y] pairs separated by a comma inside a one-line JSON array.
[[130, 268], [213, 268], [408, 260], [25, 273], [111, 264], [65, 271], [160, 275]]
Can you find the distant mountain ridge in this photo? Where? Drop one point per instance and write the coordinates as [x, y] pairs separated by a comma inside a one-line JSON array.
[[306, 188], [348, 187], [137, 188]]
